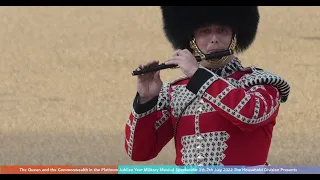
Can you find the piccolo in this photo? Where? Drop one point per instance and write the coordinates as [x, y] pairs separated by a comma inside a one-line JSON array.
[[162, 66]]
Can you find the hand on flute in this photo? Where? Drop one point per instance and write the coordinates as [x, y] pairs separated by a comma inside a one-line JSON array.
[[185, 61], [149, 84]]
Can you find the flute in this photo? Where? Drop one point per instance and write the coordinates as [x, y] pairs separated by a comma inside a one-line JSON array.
[[215, 55]]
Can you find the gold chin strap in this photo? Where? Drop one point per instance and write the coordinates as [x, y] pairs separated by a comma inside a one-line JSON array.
[[197, 51]]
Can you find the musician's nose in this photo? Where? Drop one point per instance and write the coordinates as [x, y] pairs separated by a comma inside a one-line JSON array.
[[214, 39]]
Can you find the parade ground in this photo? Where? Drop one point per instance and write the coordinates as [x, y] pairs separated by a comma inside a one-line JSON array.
[[66, 88]]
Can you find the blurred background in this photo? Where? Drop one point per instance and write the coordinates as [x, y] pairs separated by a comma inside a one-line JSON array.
[[66, 88]]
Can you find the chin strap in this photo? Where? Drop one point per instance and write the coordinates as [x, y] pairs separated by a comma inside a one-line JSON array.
[[198, 52]]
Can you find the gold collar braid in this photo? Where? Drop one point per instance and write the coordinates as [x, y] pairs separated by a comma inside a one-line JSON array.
[[197, 51]]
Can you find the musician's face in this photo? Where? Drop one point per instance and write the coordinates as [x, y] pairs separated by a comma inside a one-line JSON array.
[[213, 38]]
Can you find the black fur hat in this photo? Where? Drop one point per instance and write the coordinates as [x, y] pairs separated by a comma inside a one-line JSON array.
[[179, 23]]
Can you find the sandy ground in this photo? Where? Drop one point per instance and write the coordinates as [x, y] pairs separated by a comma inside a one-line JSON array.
[[66, 87]]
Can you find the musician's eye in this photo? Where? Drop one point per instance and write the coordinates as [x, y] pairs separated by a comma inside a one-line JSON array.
[[205, 31], [222, 29]]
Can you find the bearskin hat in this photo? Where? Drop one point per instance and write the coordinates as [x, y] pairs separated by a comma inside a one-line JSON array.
[[179, 23]]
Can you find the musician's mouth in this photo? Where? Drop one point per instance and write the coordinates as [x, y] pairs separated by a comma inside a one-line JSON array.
[[214, 50]]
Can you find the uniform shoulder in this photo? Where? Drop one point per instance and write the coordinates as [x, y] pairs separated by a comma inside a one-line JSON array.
[[259, 76]]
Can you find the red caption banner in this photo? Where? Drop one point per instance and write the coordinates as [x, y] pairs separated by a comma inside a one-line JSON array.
[[58, 169]]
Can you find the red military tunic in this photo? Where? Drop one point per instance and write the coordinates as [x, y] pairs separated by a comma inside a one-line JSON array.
[[223, 117]]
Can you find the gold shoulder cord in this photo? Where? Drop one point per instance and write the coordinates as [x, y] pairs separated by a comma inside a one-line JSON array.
[[197, 51]]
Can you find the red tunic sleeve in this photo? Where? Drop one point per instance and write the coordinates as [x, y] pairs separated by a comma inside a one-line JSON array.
[[249, 106], [149, 127]]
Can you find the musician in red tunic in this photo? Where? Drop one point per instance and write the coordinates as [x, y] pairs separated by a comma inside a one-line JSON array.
[[219, 113]]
